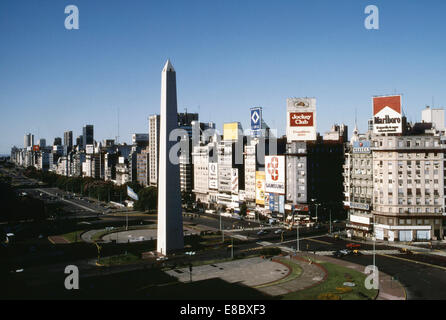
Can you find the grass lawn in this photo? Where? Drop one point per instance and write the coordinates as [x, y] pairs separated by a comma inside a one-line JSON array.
[[332, 286], [98, 236], [74, 236]]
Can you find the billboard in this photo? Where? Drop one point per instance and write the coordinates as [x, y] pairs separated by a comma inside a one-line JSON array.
[[224, 178], [36, 147], [256, 120], [260, 187], [213, 176], [275, 174], [281, 204], [361, 146], [301, 119], [230, 131], [234, 181], [387, 114]]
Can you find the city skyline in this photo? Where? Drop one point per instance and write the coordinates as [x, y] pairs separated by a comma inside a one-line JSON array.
[[60, 81]]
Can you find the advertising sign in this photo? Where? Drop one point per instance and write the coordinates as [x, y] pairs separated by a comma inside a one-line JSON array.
[[260, 187], [360, 206], [275, 174], [234, 181], [387, 114], [213, 176], [36, 148], [256, 120], [225, 179], [230, 131], [361, 146], [301, 119], [281, 204], [271, 201]]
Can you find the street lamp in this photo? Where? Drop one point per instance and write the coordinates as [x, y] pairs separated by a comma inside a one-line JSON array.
[[297, 238]]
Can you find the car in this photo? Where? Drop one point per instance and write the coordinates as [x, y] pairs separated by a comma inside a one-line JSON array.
[[262, 232], [341, 253], [278, 231]]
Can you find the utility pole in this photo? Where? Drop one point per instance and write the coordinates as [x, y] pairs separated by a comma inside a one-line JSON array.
[[297, 238], [330, 220]]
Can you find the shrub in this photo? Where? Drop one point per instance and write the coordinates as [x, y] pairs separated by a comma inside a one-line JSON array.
[[328, 296]]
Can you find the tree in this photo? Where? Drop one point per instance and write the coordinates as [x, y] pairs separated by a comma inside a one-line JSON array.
[[148, 199]]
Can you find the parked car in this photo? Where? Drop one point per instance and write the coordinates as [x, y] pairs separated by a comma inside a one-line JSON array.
[[278, 231]]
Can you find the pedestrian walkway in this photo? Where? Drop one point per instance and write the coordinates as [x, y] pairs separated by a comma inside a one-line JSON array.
[[251, 272], [312, 274]]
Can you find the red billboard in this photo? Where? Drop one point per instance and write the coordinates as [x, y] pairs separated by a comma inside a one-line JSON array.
[[301, 119], [393, 102], [387, 116], [36, 148]]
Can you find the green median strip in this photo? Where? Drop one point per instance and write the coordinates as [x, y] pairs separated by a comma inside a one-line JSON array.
[[333, 287]]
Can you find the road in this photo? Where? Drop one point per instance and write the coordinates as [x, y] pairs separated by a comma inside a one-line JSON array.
[[421, 281]]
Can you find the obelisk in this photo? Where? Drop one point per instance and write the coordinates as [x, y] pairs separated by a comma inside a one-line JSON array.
[[170, 219]]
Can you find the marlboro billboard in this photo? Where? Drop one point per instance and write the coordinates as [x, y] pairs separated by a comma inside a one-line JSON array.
[[387, 115], [301, 119]]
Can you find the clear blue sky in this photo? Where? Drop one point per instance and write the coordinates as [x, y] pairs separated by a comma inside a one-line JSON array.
[[229, 56]]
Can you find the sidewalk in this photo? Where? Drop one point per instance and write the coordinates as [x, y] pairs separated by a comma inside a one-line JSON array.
[[389, 289]]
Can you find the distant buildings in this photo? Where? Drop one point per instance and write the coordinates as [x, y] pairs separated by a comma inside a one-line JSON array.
[[87, 135], [28, 140], [68, 139], [389, 180], [154, 130]]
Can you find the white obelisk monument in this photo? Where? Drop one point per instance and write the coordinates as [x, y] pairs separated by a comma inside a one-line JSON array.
[[170, 219]]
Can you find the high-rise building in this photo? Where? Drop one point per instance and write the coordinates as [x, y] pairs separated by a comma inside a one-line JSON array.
[[142, 167], [57, 141], [408, 173], [28, 140], [68, 139], [358, 186], [42, 143], [434, 116], [154, 131], [88, 135]]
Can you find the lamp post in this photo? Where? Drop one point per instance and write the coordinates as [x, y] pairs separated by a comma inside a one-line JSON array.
[[297, 238], [330, 220]]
